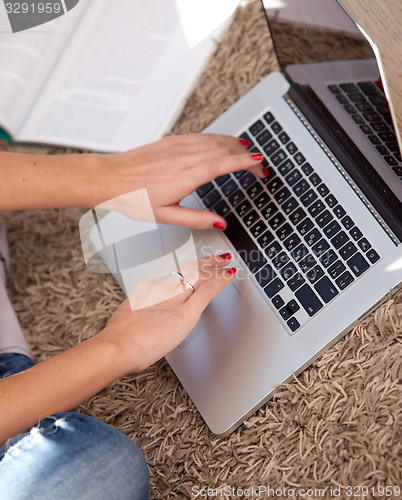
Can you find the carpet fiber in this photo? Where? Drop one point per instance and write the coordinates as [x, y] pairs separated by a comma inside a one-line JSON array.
[[337, 424]]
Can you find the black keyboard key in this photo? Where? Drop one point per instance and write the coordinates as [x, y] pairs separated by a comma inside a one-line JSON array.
[[372, 255], [229, 187], [274, 287], [300, 252], [336, 269], [307, 263], [326, 289], [315, 274], [280, 260], [323, 190], [269, 210], [347, 222], [308, 197], [344, 280], [285, 313], [366, 129], [247, 179], [254, 190], [276, 221], [295, 281], [274, 185], [286, 167], [221, 208], [265, 239], [284, 231], [265, 275], [347, 250], [239, 173], [312, 237], [297, 216], [277, 301], [264, 137], [324, 218], [293, 324], [258, 229], [210, 198], [290, 205], [243, 208], [358, 264], [221, 179], [282, 195], [339, 239], [331, 229], [203, 190], [349, 87], [334, 89], [356, 97], [291, 242], [262, 200], [305, 226], [276, 127], [301, 187], [368, 88], [299, 158], [355, 233], [328, 258], [372, 117], [316, 208], [278, 157], [374, 139], [358, 119], [391, 160], [292, 148], [250, 218], [315, 179], [293, 177], [307, 169], [308, 299], [293, 306], [271, 147], [256, 127], [364, 244], [283, 137], [269, 117], [236, 198], [387, 136], [331, 200], [244, 245], [288, 271], [273, 250], [349, 108], [321, 247]]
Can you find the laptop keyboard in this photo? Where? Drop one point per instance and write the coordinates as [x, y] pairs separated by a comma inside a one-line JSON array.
[[368, 107], [289, 229]]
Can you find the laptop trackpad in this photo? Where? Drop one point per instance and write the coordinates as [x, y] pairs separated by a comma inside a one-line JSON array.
[[220, 306]]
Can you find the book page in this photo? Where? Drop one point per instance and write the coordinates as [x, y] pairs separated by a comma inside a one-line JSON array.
[[126, 73], [26, 58]]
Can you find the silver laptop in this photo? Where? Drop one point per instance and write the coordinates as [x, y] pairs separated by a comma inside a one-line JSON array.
[[317, 244]]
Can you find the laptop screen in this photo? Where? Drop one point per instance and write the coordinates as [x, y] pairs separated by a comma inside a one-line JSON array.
[[329, 61]]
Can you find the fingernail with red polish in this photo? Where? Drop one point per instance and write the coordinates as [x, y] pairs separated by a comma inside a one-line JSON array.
[[232, 270], [218, 225], [257, 157], [266, 172], [244, 142], [225, 256]]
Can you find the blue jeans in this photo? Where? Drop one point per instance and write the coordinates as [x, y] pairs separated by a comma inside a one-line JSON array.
[[69, 456]]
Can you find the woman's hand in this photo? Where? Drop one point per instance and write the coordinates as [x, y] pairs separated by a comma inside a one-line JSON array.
[[144, 333], [171, 169]]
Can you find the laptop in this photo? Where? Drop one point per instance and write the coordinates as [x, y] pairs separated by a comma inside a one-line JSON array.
[[317, 244]]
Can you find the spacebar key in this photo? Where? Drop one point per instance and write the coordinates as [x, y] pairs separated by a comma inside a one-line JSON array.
[[244, 245], [308, 299]]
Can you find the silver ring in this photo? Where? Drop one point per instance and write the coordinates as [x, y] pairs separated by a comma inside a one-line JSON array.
[[188, 285], [179, 275]]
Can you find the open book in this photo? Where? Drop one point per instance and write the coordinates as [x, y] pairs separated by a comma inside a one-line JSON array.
[[108, 75]]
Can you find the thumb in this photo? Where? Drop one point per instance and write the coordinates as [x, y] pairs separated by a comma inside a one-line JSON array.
[[189, 217]]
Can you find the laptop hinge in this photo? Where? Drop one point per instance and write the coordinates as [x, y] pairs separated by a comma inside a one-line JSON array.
[[377, 207]]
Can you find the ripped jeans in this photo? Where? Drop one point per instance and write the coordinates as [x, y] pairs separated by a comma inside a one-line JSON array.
[[69, 456]]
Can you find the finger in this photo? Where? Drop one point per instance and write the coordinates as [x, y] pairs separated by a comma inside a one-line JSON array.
[[208, 289], [197, 140], [189, 217]]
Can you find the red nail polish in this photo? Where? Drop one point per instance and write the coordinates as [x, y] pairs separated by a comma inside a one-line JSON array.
[[232, 270], [266, 172], [225, 256], [218, 225], [257, 157], [244, 142]]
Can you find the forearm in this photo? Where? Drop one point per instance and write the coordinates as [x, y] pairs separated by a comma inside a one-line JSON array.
[[44, 181], [58, 384]]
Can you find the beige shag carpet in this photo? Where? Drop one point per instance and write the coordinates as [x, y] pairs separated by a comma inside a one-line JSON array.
[[338, 424]]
